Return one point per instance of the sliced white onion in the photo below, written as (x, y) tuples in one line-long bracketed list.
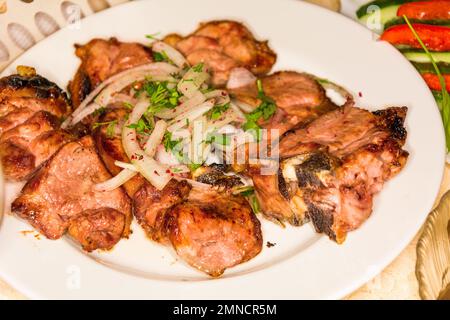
[(192, 81), (155, 138), (220, 96), (240, 77), (190, 115), (166, 157), (116, 181), (244, 106), (174, 55), (147, 166), (238, 112), (197, 99), (118, 82), (125, 165)]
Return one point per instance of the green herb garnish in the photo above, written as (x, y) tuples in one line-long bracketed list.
[(198, 67), (194, 166), (110, 129), (265, 110), (445, 102), (98, 112), (141, 127), (221, 139), (217, 111)]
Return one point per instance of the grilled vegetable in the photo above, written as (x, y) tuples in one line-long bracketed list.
[(434, 83)]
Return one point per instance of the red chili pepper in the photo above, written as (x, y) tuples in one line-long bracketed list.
[(435, 38), (433, 82), (426, 10)]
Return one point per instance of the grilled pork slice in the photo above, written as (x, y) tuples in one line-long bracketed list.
[(331, 179), (61, 196), (22, 96), (211, 230), (347, 129), (224, 45), (30, 111), (299, 99), (100, 59), (26, 146)]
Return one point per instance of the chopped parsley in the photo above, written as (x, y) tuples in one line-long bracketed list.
[(198, 67), (194, 166), (221, 139), (173, 146), (128, 105), (160, 95), (161, 56), (265, 110), (152, 36), (110, 129), (142, 127), (217, 111), (98, 112)]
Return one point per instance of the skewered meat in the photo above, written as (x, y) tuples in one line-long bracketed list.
[(101, 59), (210, 229), (30, 111), (61, 196), (299, 99), (224, 45), (331, 169)]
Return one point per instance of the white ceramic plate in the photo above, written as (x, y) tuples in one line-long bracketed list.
[(303, 264)]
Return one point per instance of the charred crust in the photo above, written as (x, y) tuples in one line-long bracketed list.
[(44, 89), (393, 119), (282, 186), (322, 220)]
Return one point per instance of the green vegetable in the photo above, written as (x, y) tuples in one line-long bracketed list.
[(169, 144), (142, 127), (217, 111), (198, 67), (194, 166), (399, 20), (445, 104), (221, 139), (98, 112), (417, 55), (110, 129), (160, 96), (265, 110), (429, 68), (388, 10)]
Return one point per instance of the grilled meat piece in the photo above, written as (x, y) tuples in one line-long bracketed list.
[(22, 96), (213, 231), (151, 206), (110, 149), (331, 169), (61, 195), (30, 111), (215, 175), (101, 59), (26, 146), (210, 229), (299, 99), (98, 228), (347, 129), (224, 45)]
